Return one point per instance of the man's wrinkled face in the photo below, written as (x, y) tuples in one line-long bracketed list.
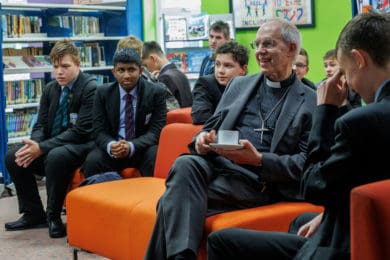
[(273, 54)]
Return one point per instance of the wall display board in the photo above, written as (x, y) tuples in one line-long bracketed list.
[(250, 14)]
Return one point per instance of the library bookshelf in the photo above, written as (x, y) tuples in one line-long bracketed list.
[(29, 29)]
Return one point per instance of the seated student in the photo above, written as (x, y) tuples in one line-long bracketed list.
[(219, 33), (231, 59), (136, 44), (154, 59), (331, 66), (128, 117), (272, 112), (60, 141), (301, 67), (343, 152)]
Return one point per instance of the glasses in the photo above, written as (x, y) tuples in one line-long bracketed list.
[(267, 44), (300, 65)]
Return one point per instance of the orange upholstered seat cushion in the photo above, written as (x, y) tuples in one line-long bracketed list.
[(114, 219), (181, 115), (174, 140), (370, 221)]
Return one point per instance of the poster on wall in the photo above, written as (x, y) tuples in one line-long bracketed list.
[(250, 14)]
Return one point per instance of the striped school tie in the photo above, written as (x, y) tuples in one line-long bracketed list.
[(129, 118), (61, 119)]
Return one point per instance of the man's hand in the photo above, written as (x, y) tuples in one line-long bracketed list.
[(27, 153), (247, 155), (203, 140), (333, 91), (120, 149), (308, 229)]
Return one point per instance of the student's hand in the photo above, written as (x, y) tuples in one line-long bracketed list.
[(308, 229), (27, 153), (247, 155), (332, 91), (203, 140), (120, 149)]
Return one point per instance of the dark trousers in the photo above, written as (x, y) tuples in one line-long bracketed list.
[(58, 167), (245, 244), (196, 188), (98, 161)]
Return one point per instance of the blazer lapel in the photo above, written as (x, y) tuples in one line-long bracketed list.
[(294, 99), (114, 107)]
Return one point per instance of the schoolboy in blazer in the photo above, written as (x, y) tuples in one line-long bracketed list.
[(59, 142), (113, 152)]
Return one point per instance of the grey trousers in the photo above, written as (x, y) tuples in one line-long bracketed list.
[(196, 188)]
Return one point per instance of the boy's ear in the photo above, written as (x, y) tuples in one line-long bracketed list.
[(360, 57)]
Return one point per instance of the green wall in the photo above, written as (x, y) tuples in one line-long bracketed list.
[(330, 16)]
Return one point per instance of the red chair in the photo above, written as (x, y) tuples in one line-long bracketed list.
[(370, 221), (181, 115)]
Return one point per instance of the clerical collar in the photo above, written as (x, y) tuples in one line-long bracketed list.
[(281, 84)]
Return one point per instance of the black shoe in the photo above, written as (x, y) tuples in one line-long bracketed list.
[(56, 228), (26, 221)]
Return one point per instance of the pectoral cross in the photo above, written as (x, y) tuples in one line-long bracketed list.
[(262, 130)]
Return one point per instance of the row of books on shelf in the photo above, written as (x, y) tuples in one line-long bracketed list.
[(91, 55), (74, 25), (22, 51), (20, 123), (30, 91), (188, 61), (16, 25), (101, 79), (24, 91)]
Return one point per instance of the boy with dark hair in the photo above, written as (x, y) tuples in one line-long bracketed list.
[(154, 59), (128, 117), (136, 44), (231, 60)]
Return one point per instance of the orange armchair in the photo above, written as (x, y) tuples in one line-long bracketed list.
[(370, 221), (181, 115), (115, 219)]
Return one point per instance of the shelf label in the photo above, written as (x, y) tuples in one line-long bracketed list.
[(16, 77)]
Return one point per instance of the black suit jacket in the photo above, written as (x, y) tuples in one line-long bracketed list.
[(81, 103), (203, 66), (150, 114), (205, 97), (342, 154), (178, 84)]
